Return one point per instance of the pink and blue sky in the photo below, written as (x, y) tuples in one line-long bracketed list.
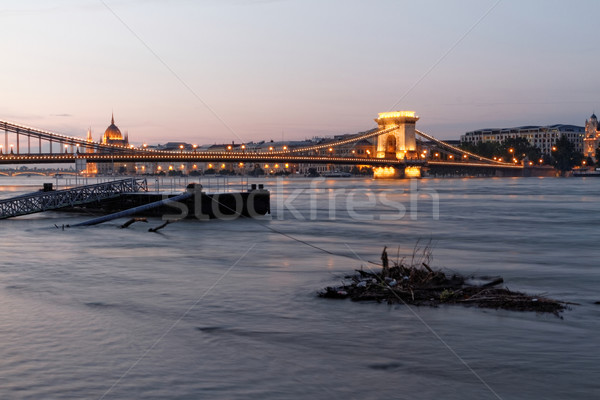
[(211, 71)]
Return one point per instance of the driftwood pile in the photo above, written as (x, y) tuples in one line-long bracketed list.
[(421, 285)]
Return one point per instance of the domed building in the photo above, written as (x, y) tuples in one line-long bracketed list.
[(112, 135)]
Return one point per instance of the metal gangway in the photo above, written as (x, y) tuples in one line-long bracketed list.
[(57, 199)]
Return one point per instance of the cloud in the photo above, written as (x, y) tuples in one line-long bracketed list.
[(61, 115), (21, 116)]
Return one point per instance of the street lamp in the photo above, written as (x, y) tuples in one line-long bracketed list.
[(0, 149), (194, 146), (181, 148)]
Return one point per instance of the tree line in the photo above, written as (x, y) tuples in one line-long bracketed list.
[(564, 155)]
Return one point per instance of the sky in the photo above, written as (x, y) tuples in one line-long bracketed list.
[(216, 71)]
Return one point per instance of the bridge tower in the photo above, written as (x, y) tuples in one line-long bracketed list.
[(397, 143)]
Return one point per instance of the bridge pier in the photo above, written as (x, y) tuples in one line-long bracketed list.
[(397, 172), (387, 173)]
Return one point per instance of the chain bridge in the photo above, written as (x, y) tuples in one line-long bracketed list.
[(400, 150)]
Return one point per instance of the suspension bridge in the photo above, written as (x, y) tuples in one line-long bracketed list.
[(399, 147)]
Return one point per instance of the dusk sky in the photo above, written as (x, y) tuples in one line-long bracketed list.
[(214, 71)]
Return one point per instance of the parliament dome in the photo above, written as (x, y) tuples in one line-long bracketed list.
[(112, 132)]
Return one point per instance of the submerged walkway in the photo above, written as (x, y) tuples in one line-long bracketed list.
[(57, 199)]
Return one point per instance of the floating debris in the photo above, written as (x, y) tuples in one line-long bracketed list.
[(132, 220), (421, 285), (167, 222)]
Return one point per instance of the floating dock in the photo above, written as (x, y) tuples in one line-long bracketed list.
[(194, 203)]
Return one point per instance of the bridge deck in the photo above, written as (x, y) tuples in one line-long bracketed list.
[(54, 200)]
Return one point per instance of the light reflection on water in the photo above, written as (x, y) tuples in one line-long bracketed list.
[(79, 307)]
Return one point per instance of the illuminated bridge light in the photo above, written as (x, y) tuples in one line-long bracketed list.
[(398, 114)]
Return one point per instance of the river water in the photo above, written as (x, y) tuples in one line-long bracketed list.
[(228, 309)]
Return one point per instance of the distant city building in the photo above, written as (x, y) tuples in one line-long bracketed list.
[(175, 146), (364, 148), (592, 137), (542, 137), (112, 136)]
